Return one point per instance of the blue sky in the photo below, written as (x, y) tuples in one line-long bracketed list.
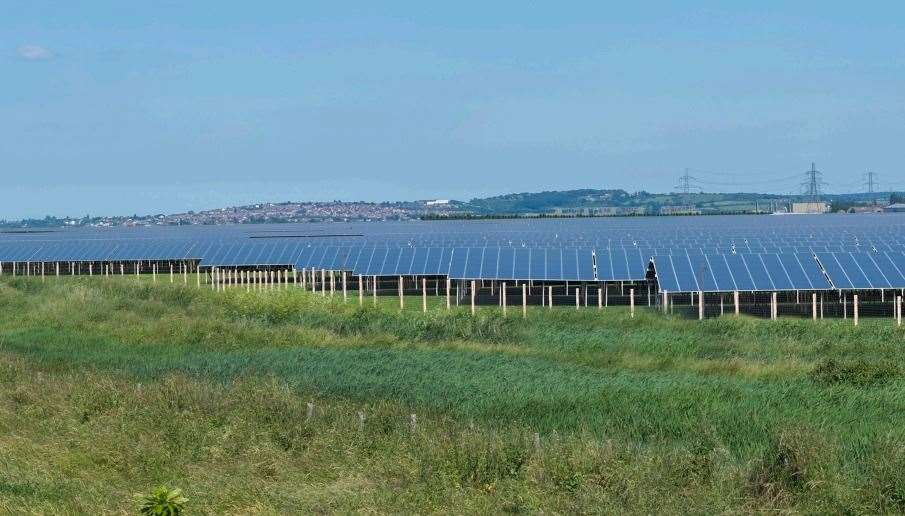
[(111, 107)]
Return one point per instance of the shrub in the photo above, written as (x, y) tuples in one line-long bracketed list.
[(162, 501)]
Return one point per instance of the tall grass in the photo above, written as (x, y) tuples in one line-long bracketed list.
[(633, 413)]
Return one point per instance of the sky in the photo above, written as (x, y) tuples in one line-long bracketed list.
[(112, 107)]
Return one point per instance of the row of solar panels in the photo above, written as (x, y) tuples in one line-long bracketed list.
[(676, 270), (288, 251), (779, 271)]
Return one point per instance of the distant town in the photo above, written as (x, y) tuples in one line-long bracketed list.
[(570, 203)]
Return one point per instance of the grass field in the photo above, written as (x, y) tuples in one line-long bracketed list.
[(111, 387)]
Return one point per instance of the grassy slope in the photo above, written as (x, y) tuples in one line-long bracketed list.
[(107, 388)]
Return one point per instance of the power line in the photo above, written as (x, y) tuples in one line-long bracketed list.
[(685, 181), (870, 181), (813, 183)]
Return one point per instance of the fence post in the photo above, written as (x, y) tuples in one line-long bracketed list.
[(524, 301), (549, 297), (472, 296), (735, 300), (344, 287), (577, 299), (448, 288), (898, 310), (700, 305), (401, 297), (774, 314), (599, 298), (424, 294), (503, 296), (855, 309), (375, 290), (631, 303), (814, 306)]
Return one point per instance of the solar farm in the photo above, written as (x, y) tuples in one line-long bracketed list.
[(812, 266)]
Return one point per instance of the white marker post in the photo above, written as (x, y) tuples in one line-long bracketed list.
[(524, 301), (855, 309)]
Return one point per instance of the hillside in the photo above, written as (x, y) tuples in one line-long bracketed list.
[(110, 387)]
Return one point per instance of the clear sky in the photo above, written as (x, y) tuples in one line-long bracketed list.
[(117, 107)]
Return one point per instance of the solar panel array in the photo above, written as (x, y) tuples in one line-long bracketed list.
[(686, 253)]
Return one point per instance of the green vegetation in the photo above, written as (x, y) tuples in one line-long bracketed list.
[(110, 387)]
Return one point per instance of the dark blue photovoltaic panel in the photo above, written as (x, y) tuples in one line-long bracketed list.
[(666, 275), (432, 260), (314, 261), (522, 264), (758, 272), (419, 261), (637, 263), (834, 270), (458, 261), (473, 266), (538, 264), (490, 262), (390, 262), (604, 265), (506, 263), (740, 274), (332, 260), (375, 264), (406, 256), (722, 275), (620, 265), (891, 270), (813, 271), (684, 273), (799, 280), (873, 274), (570, 264), (554, 264), (445, 260), (777, 272), (701, 268), (852, 270), (585, 264)]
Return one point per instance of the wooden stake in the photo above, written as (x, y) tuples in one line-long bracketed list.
[(898, 310), (855, 309), (524, 301)]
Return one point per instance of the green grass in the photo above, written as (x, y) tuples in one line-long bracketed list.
[(110, 387)]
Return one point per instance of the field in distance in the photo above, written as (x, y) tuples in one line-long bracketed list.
[(110, 387)]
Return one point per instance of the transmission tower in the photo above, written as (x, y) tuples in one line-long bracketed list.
[(685, 185), (813, 183), (870, 181)]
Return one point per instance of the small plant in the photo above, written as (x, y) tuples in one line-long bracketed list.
[(162, 501)]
